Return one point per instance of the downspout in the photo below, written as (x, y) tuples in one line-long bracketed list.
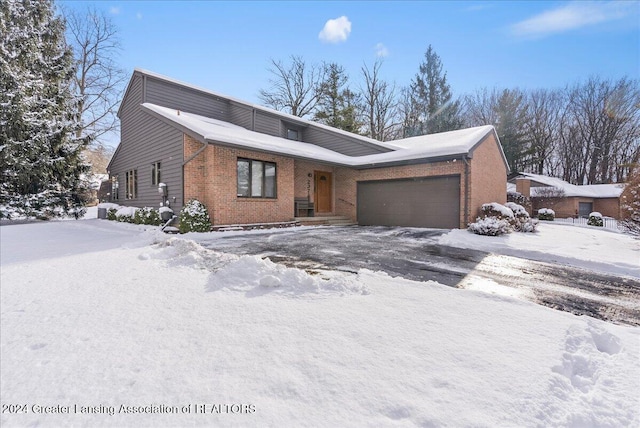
[(466, 190)]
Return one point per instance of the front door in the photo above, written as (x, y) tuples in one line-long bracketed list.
[(323, 187)]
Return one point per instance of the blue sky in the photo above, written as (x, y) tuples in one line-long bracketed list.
[(227, 46)]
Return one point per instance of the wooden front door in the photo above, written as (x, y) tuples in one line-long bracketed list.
[(323, 192)]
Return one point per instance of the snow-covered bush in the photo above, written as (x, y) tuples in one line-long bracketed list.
[(546, 214), (522, 222), (126, 214), (497, 210), (147, 215), (194, 217), (496, 220), (595, 219), (490, 226), (111, 214)]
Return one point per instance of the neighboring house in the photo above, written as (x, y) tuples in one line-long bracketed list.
[(566, 199), (249, 164)]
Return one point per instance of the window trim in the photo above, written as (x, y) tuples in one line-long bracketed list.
[(264, 179), (156, 173), (131, 184), (115, 187)]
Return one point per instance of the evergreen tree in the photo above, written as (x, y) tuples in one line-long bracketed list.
[(337, 104), (40, 154), (431, 107)]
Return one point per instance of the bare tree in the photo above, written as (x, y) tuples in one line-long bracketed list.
[(99, 81), (294, 87), (544, 111), (506, 110), (601, 130), (378, 103)]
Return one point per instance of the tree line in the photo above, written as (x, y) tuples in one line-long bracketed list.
[(585, 133), (59, 89)]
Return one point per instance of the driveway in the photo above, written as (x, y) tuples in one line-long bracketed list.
[(415, 254)]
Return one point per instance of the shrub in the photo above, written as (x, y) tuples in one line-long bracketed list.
[(546, 214), (522, 222), (111, 214), (126, 214), (194, 217), (490, 226), (497, 210), (147, 215), (595, 219)]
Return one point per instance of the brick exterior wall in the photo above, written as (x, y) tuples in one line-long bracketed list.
[(211, 177), (346, 179), (488, 176), (569, 206)]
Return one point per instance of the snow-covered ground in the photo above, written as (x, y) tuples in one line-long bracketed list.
[(110, 324), (588, 247)]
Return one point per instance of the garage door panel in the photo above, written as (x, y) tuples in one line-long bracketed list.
[(418, 202)]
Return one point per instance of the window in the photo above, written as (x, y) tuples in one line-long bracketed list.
[(256, 179), (131, 183), (114, 188), (292, 134), (155, 173)]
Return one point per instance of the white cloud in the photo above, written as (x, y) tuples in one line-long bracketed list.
[(336, 30), (381, 50), (572, 16), (114, 10)]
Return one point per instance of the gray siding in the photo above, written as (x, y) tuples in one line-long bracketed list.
[(241, 115), (340, 143), (145, 140), (267, 124), (171, 95)]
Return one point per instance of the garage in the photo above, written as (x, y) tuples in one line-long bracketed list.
[(413, 202)]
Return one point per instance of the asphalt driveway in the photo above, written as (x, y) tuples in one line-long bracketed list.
[(415, 254)]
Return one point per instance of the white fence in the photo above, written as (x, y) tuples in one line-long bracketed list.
[(609, 223)]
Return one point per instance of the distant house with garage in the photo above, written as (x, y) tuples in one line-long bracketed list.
[(566, 199), (250, 164)]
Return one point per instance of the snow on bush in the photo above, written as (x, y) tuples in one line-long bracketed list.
[(109, 205), (490, 226), (522, 222), (125, 214), (496, 220), (194, 217), (495, 209), (147, 215), (595, 219), (546, 214)]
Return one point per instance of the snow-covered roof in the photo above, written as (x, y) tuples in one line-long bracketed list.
[(586, 191), (445, 144)]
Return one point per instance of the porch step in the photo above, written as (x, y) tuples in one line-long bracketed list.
[(325, 221)]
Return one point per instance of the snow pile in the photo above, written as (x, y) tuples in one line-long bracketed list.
[(253, 274), (94, 315)]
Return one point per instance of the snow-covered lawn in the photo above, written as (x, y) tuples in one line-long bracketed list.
[(100, 317)]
